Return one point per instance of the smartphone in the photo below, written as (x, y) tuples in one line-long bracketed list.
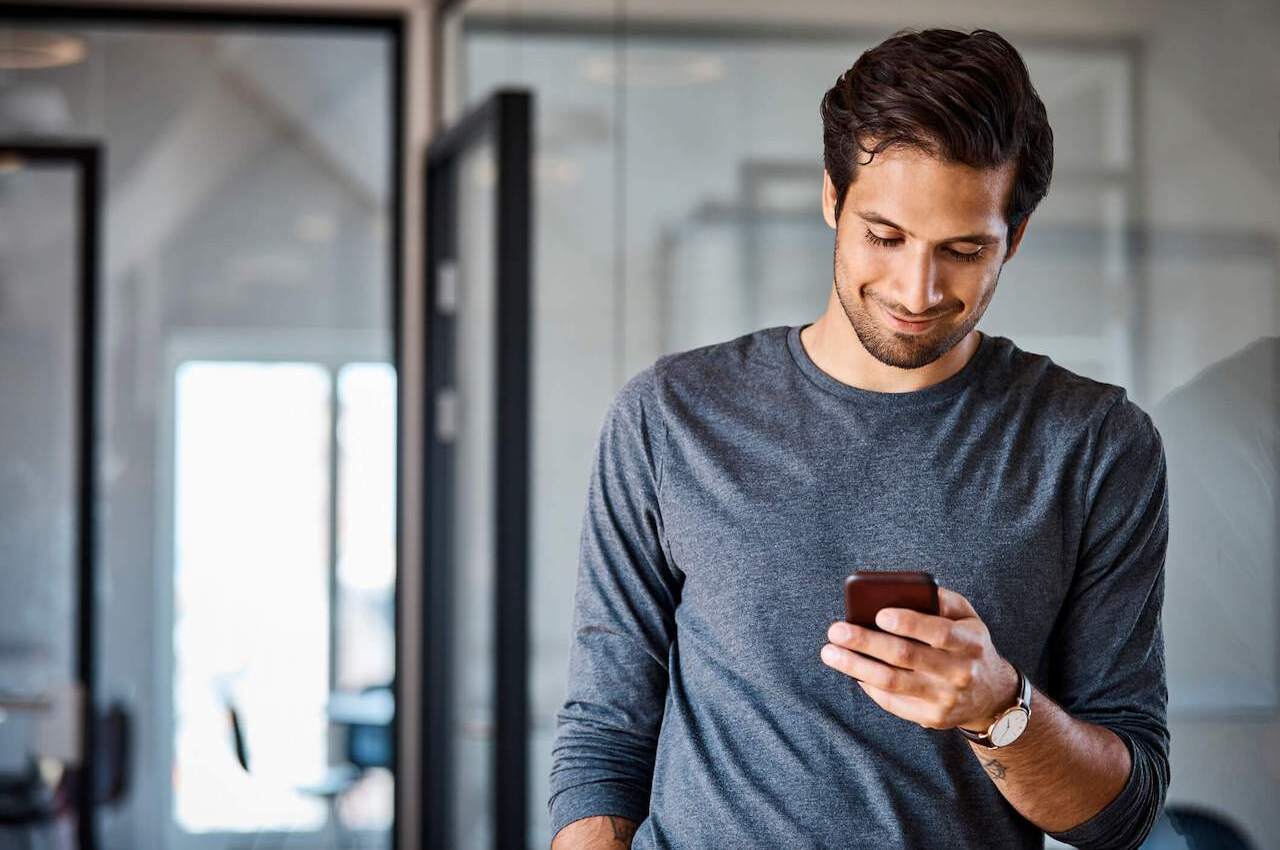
[(867, 592)]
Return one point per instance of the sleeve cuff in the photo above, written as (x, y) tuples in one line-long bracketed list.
[(1109, 827), (597, 798)]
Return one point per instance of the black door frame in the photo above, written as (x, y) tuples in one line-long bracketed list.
[(85, 158), (505, 120)]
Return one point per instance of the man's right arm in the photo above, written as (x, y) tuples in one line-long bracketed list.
[(623, 626)]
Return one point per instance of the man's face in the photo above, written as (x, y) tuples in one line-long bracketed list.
[(918, 251)]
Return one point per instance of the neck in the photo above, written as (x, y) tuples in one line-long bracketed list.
[(834, 347)]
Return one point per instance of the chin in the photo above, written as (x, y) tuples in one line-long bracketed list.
[(903, 350)]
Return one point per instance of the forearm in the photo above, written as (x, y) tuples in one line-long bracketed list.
[(604, 832), (1061, 771)]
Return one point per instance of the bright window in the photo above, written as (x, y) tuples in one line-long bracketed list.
[(251, 606)]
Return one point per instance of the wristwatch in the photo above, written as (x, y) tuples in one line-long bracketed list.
[(1009, 724)]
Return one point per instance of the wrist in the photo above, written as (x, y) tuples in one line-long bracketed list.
[(1007, 697)]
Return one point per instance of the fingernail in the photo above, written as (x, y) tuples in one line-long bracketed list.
[(841, 632), (886, 620)]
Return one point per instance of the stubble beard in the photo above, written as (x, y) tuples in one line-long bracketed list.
[(893, 348)]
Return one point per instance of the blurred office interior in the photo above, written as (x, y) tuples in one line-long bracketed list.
[(310, 313)]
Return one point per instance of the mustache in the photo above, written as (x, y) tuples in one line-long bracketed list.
[(898, 310)]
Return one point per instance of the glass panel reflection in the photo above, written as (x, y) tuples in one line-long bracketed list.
[(472, 562), (678, 177), (247, 195), (39, 309)]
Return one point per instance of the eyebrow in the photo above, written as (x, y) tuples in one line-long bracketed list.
[(975, 238)]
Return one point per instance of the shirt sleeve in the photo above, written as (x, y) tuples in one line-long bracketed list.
[(1108, 665), (623, 623)]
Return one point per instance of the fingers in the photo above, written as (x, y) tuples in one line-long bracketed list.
[(870, 671), (939, 632), (889, 648), (918, 711), (953, 606)]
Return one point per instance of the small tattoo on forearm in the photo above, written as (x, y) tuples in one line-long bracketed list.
[(994, 768), (623, 829)]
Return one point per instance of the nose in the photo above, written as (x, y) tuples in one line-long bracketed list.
[(918, 289)]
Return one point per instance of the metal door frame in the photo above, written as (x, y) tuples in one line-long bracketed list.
[(85, 158), (505, 120)]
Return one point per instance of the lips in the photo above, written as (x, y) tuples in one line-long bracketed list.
[(906, 325)]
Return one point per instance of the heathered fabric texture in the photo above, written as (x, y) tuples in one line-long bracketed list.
[(735, 486)]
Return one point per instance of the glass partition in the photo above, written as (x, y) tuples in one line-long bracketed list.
[(247, 397), (678, 174), (45, 296)]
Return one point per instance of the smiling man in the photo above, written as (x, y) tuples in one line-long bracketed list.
[(716, 698)]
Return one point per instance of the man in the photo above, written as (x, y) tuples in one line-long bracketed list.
[(716, 697)]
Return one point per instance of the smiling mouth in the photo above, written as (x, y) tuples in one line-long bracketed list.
[(907, 325)]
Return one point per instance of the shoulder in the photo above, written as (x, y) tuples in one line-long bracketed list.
[(1071, 402), (686, 385), (729, 358), (635, 428), (722, 372)]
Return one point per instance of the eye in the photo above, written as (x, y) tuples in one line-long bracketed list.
[(883, 243), (966, 256)]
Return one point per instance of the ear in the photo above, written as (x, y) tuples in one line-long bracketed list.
[(828, 200), (1016, 240)]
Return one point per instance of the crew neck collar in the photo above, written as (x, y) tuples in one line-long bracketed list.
[(934, 392)]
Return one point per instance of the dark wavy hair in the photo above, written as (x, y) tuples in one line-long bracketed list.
[(962, 97)]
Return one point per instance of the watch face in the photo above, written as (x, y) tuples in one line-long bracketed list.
[(1008, 728)]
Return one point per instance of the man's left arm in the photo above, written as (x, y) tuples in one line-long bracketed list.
[(1091, 769), (1062, 774)]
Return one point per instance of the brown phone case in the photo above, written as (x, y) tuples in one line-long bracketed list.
[(867, 592)]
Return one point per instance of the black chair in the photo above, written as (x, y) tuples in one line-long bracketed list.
[(29, 803), (368, 738)]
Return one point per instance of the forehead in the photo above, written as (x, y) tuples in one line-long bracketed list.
[(931, 197)]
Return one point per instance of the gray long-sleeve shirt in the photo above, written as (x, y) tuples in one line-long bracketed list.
[(735, 486)]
